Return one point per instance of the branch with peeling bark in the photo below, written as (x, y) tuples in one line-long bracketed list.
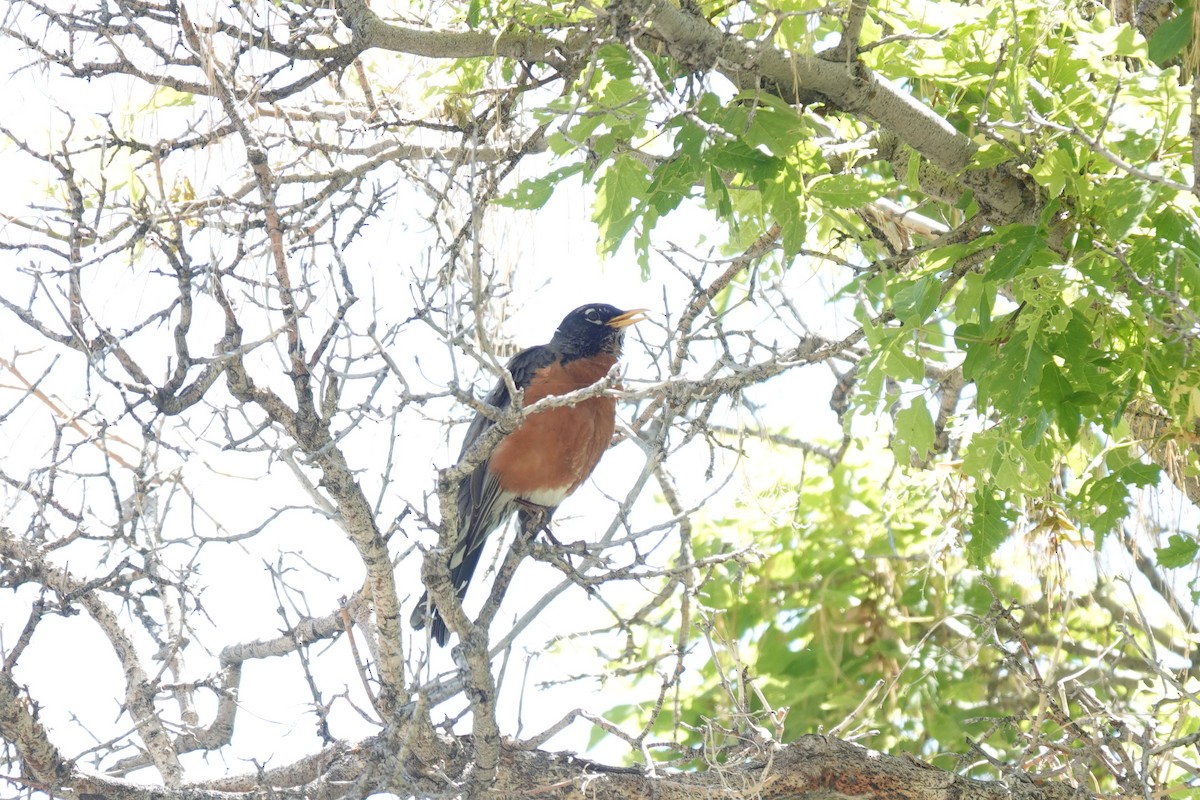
[(812, 766)]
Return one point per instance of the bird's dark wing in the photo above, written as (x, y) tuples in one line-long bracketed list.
[(482, 504), (522, 367)]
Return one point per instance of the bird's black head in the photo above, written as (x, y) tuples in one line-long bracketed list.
[(594, 329)]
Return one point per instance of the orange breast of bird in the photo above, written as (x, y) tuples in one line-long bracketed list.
[(554, 451)]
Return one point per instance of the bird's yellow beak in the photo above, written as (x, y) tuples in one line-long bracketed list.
[(628, 318)]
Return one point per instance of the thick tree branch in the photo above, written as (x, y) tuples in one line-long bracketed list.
[(812, 767), (373, 32), (139, 691), (795, 77), (855, 89), (20, 727)]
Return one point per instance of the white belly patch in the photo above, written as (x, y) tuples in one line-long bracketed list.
[(547, 497)]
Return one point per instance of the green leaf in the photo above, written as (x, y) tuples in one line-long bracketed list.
[(1140, 474), (914, 428), (1017, 245), (1054, 170), (1103, 502), (774, 125), (896, 361), (1179, 552), (849, 190), (1118, 40), (1031, 433), (783, 196), (990, 154), (969, 337), (1054, 392), (1054, 386), (166, 97), (990, 526), (738, 156), (641, 242), (616, 60), (534, 192), (689, 140), (716, 193), (1123, 204), (917, 300), (620, 193), (1173, 226), (1171, 37), (674, 180)]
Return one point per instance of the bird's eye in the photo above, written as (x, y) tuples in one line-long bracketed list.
[(591, 315)]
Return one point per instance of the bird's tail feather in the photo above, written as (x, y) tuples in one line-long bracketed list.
[(427, 612), (465, 558)]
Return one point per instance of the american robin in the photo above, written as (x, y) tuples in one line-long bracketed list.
[(551, 453)]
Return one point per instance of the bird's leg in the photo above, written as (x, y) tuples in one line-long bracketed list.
[(536, 519)]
